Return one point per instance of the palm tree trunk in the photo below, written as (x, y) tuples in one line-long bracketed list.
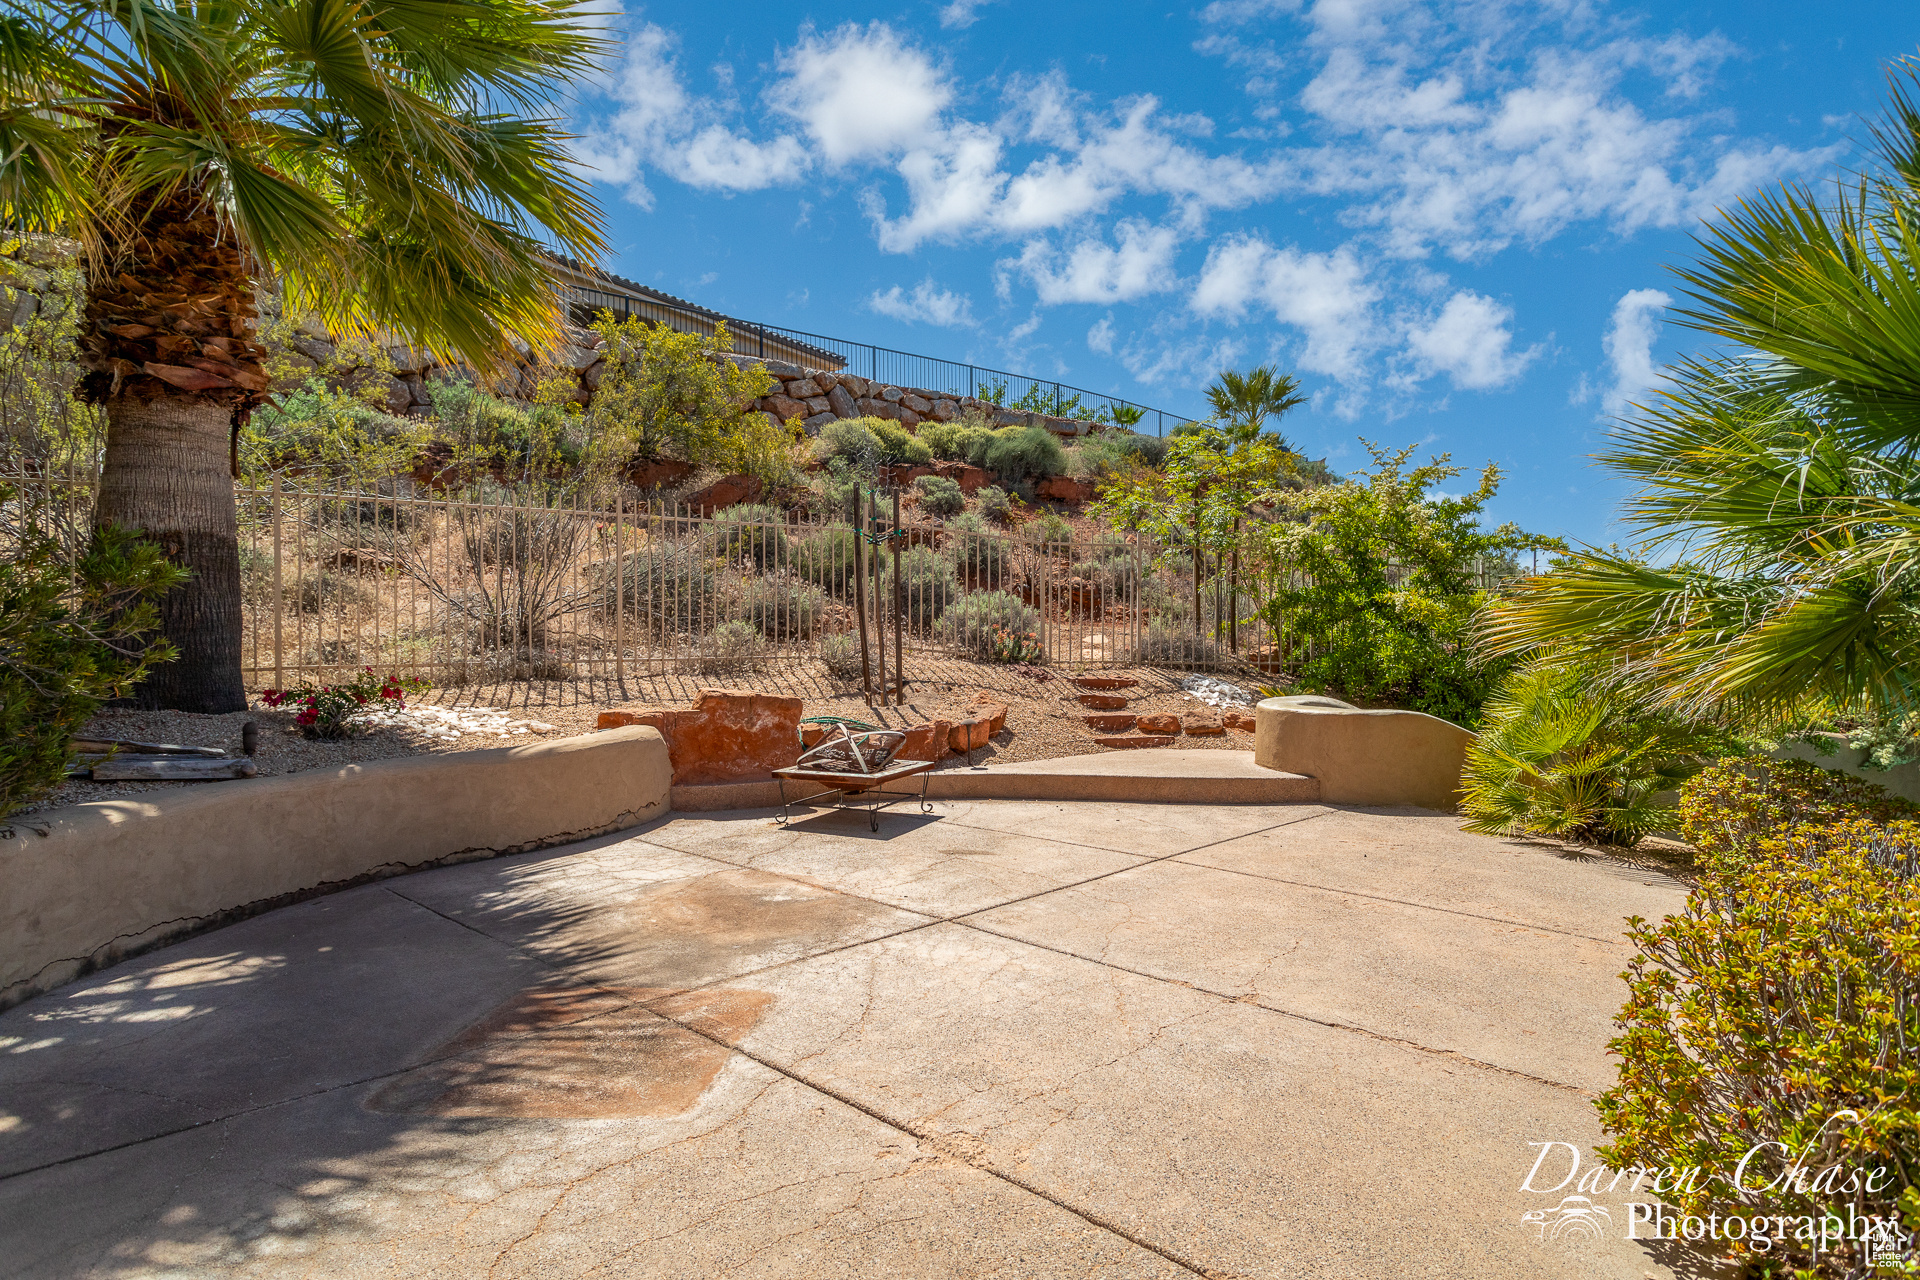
[(166, 475), (170, 348)]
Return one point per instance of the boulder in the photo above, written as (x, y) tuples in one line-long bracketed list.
[(908, 418), (881, 409), (817, 421), (1241, 720), (818, 405), (785, 407), (591, 375), (1202, 724), (1065, 489), (827, 381), (727, 491), (856, 386), (970, 735), (985, 704), (1103, 701), (890, 394), (1160, 722), (929, 741), (917, 404), (971, 479), (944, 411), (841, 402), (1112, 722), (905, 473), (804, 388), (728, 735), (1135, 740)]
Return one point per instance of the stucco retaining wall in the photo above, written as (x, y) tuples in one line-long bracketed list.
[(84, 886), (1363, 757)]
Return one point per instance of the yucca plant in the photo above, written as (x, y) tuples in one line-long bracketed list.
[(1561, 754), (1779, 500), (388, 164)]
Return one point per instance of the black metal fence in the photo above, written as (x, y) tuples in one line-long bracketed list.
[(884, 364)]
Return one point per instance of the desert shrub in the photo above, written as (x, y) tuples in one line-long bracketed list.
[(1020, 453), (929, 583), (1728, 808), (322, 590), (841, 654), (1776, 1014), (730, 647), (1048, 530), (940, 496), (974, 442), (1560, 754), (1114, 452), (782, 608), (983, 622), (1114, 576), (749, 534), (826, 559), (943, 438), (669, 587), (865, 443), (976, 552), (73, 633), (664, 393), (993, 503), (1165, 644)]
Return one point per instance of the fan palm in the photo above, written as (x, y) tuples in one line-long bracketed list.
[(1244, 401), (1779, 490), (387, 163)]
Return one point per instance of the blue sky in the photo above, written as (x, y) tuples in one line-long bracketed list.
[(1452, 221)]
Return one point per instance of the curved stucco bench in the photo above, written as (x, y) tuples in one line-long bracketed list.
[(1363, 757), (90, 884)]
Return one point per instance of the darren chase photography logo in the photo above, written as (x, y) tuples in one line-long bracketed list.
[(1574, 1189)]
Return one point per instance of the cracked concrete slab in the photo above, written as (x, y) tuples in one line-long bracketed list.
[(721, 1047), (1150, 830), (1239, 1141), (915, 862), (1520, 998), (1415, 856)]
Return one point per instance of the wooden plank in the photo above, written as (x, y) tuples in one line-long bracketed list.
[(171, 769), (103, 745)]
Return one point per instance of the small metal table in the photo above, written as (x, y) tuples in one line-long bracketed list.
[(852, 790)]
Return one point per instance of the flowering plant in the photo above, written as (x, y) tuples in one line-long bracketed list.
[(327, 711), (1005, 645)]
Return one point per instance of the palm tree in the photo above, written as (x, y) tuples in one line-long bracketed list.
[(383, 161), (1780, 488), (1244, 402)]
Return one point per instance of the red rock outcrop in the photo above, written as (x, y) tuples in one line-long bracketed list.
[(728, 735)]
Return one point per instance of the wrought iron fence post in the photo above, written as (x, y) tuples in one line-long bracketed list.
[(279, 611)]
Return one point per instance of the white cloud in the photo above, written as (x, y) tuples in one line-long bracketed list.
[(959, 14), (1100, 337), (861, 93), (1324, 295), (1092, 271), (1629, 347), (928, 302), (657, 123), (1471, 343)]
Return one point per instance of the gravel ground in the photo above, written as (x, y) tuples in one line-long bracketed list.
[(1043, 718)]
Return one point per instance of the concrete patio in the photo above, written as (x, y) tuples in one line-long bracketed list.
[(1012, 1038)]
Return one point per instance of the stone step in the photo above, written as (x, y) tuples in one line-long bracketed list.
[(1105, 682), (1128, 740), (1103, 701)]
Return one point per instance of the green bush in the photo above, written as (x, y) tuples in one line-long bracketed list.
[(841, 654), (72, 635), (944, 439), (993, 503), (1112, 453), (730, 647), (1728, 809), (826, 559), (865, 443), (750, 534), (1048, 531), (983, 622), (1559, 754), (976, 552), (940, 496), (668, 587), (782, 609), (929, 584), (1021, 453), (1777, 1014)]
